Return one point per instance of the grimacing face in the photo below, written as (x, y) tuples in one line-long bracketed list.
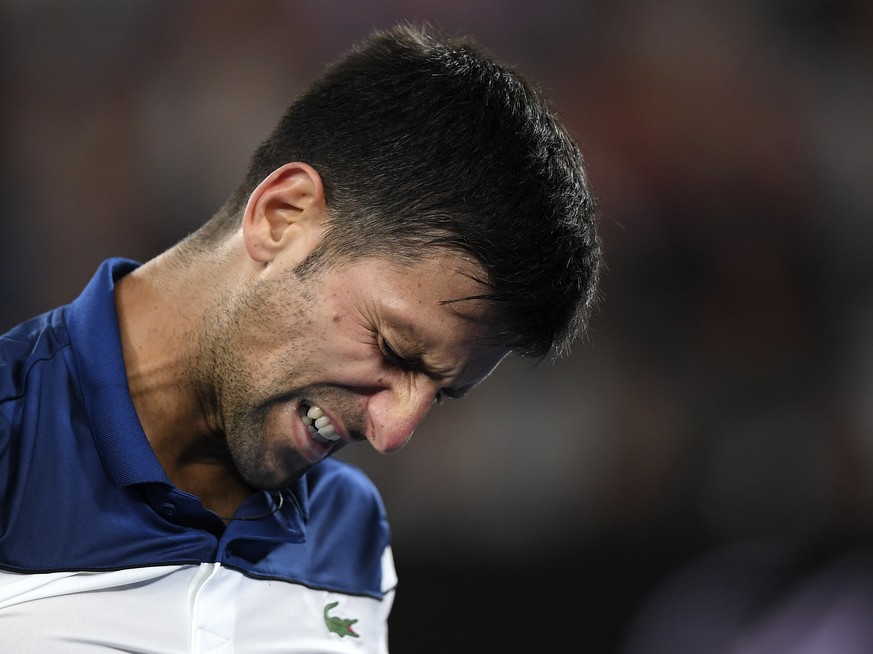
[(358, 352)]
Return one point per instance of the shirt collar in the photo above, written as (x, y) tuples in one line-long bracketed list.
[(93, 324), (121, 442)]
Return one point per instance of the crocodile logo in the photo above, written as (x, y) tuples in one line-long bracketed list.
[(340, 626)]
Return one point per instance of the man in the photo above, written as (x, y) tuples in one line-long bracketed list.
[(165, 483)]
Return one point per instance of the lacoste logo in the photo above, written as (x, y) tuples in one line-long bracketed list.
[(340, 626)]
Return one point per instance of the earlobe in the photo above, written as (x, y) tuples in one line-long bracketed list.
[(285, 213)]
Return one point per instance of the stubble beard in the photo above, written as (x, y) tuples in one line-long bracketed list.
[(244, 393)]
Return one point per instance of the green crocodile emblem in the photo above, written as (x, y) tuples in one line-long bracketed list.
[(340, 626)]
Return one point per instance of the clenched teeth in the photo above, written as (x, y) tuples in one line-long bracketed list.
[(318, 424)]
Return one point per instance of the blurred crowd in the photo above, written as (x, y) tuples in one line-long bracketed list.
[(723, 397)]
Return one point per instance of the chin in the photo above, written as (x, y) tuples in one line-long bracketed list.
[(263, 477)]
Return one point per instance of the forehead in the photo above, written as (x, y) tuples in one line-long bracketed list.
[(450, 279), (441, 286)]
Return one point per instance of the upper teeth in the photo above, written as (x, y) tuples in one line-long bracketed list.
[(319, 424)]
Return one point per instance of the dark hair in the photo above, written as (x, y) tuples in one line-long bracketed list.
[(422, 141)]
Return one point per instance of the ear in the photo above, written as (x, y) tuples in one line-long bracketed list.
[(285, 214)]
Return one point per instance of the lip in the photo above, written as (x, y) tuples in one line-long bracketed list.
[(303, 442)]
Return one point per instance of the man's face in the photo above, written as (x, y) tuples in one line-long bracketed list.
[(364, 350)]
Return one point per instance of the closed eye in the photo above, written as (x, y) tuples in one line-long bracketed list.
[(392, 358)]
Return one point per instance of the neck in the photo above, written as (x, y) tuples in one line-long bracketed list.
[(161, 309)]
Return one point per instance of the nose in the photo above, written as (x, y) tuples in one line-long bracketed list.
[(396, 411)]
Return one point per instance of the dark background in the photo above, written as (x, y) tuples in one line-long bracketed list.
[(723, 397)]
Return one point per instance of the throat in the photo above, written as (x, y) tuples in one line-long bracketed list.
[(211, 476), (224, 505)]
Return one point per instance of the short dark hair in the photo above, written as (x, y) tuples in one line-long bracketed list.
[(423, 140)]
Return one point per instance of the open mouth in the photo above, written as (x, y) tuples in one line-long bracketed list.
[(318, 424)]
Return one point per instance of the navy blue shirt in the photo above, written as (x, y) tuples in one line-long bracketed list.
[(81, 488)]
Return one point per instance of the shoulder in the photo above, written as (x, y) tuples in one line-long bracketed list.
[(347, 544), (339, 488), (28, 345)]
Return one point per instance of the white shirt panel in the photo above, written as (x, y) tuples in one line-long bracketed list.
[(198, 609)]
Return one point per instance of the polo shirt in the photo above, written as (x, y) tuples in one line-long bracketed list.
[(100, 552)]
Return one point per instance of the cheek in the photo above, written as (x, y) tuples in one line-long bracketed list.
[(346, 340)]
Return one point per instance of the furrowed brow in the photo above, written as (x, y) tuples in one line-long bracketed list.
[(417, 363)]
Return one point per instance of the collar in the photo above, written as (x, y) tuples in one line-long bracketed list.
[(121, 442)]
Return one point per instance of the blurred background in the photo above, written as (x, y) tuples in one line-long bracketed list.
[(700, 466)]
